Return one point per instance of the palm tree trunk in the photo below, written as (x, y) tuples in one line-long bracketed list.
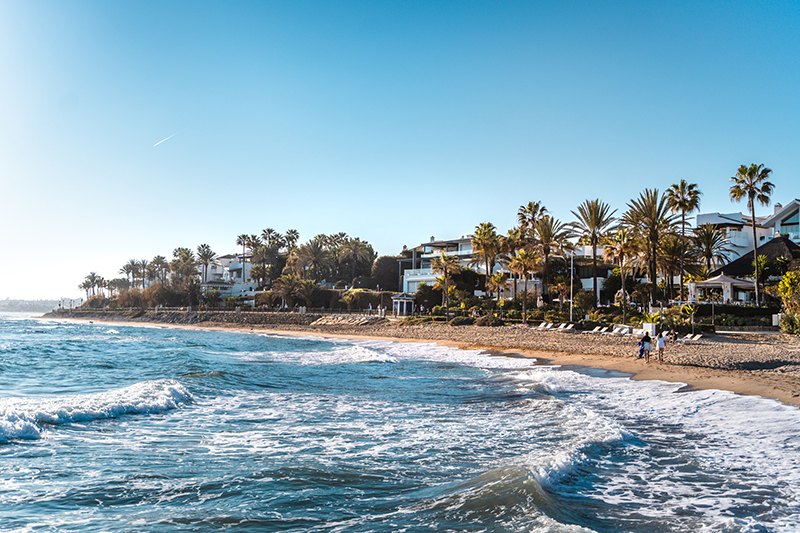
[(622, 275), (683, 252), (755, 244), (594, 274), (525, 300), (544, 277)]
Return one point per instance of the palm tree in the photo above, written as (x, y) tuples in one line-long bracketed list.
[(671, 258), (649, 218), (161, 266), (486, 245), (711, 243), (290, 239), (287, 287), (205, 255), (446, 266), (550, 241), (143, 271), (495, 284), (312, 257), (509, 243), (528, 215), (243, 240), (683, 197), (594, 219), (131, 268), (355, 251), (523, 263), (622, 248), (752, 183)]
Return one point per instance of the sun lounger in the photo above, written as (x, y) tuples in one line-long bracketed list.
[(595, 330), (604, 330), (615, 331), (542, 326), (561, 327), (549, 326), (688, 337), (694, 338), (568, 328)]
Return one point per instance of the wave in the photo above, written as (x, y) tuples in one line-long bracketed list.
[(26, 419)]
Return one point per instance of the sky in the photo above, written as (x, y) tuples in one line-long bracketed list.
[(390, 121)]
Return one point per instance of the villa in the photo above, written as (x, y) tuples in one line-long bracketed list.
[(229, 275)]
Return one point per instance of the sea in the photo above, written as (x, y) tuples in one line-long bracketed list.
[(131, 428)]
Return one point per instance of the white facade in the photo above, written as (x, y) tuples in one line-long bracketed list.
[(783, 221), (424, 254), (225, 275)]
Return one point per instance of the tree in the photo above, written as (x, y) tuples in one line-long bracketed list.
[(386, 272), (312, 257), (622, 248), (243, 240), (711, 243), (161, 266), (446, 266), (355, 251), (648, 218), (550, 241), (205, 255), (594, 219), (683, 197), (290, 239), (143, 271), (495, 283), (287, 287), (486, 245), (523, 263), (528, 215), (752, 182)]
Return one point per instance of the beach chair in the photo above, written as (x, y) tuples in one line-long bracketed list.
[(604, 330), (549, 326), (615, 331), (542, 326), (595, 330), (694, 338), (688, 337), (569, 328), (561, 327)]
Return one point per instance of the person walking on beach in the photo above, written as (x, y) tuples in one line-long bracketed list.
[(661, 344), (647, 346)]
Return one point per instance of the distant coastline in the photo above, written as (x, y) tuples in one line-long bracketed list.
[(750, 364), (27, 306)]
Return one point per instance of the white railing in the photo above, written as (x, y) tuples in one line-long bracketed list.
[(418, 272)]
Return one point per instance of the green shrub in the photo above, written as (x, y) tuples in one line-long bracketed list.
[(462, 321), (790, 322), (438, 310), (490, 321)]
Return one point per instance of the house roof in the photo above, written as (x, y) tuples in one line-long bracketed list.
[(785, 210), (779, 246)]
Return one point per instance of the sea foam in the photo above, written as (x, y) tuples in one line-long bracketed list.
[(26, 418)]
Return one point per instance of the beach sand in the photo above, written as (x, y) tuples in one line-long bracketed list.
[(751, 364)]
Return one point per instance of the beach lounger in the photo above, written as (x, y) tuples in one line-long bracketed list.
[(604, 330), (561, 327), (688, 337), (595, 330), (549, 326), (694, 338), (568, 328), (615, 331), (542, 326)]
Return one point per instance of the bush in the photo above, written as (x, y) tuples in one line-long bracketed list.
[(490, 321), (438, 310), (462, 321), (790, 323)]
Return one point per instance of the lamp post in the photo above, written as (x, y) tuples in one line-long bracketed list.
[(571, 272)]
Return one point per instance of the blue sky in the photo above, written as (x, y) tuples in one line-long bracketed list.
[(391, 121)]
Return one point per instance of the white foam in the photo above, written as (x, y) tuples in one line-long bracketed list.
[(25, 418)]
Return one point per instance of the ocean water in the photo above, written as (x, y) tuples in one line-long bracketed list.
[(152, 429)]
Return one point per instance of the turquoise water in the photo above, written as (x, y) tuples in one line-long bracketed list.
[(153, 429)]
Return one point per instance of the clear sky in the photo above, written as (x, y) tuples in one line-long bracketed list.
[(391, 121)]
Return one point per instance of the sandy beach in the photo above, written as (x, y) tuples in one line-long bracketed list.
[(766, 365)]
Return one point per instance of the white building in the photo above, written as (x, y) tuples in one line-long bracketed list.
[(230, 276), (737, 226), (422, 257)]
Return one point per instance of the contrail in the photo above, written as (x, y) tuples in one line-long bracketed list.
[(164, 140)]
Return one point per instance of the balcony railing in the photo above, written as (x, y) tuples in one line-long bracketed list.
[(418, 272)]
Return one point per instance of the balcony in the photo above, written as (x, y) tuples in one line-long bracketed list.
[(418, 272)]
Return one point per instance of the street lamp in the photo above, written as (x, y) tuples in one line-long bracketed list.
[(571, 272)]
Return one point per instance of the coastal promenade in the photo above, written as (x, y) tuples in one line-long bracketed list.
[(748, 363)]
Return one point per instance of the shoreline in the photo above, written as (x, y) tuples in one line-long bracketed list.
[(742, 382)]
